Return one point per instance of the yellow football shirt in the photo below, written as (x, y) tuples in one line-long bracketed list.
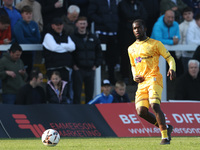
[(144, 59)]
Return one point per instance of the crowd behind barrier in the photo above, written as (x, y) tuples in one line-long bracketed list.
[(162, 64)]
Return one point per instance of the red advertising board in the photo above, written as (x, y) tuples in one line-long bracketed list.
[(123, 119)]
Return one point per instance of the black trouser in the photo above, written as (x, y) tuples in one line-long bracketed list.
[(79, 77)]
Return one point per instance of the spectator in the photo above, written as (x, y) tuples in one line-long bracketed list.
[(37, 11), (197, 54), (188, 19), (128, 10), (57, 90), (119, 93), (69, 19), (27, 32), (5, 30), (166, 30), (52, 9), (82, 4), (32, 92), (188, 85), (105, 96), (193, 34), (194, 4), (87, 57), (57, 52), (12, 12), (176, 5), (105, 17), (12, 73)]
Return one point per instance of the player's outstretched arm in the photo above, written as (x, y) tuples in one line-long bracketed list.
[(171, 74)]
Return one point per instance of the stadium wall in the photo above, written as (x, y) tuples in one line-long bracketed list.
[(101, 120)]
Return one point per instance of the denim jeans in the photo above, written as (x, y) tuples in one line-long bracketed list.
[(8, 98)]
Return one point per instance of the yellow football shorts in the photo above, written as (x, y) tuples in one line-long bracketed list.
[(148, 95)]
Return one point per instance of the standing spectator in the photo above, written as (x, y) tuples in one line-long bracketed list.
[(12, 73), (52, 9), (119, 93), (128, 10), (188, 85), (166, 30), (32, 92), (57, 52), (12, 12), (176, 5), (153, 10), (197, 54), (69, 19), (105, 16), (57, 90), (87, 57), (193, 34), (194, 4), (105, 96), (5, 30), (37, 11), (27, 32), (188, 19)]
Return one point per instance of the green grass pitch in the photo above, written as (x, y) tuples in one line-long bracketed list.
[(150, 143)]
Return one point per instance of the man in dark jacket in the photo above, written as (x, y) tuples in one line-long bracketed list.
[(32, 92), (87, 57), (188, 85), (105, 16)]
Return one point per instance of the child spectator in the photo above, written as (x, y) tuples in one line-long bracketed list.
[(119, 93), (57, 90), (105, 96)]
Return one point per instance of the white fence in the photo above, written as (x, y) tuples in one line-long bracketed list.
[(162, 62)]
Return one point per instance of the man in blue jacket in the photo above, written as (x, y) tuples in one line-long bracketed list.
[(166, 29), (27, 32)]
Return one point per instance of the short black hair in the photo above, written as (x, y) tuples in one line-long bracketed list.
[(34, 73), (26, 8), (187, 9), (15, 47), (142, 22), (4, 19)]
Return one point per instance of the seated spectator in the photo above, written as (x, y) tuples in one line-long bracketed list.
[(188, 19), (12, 73), (70, 18), (32, 92), (5, 30), (37, 11), (105, 96), (27, 32), (57, 90), (58, 48), (87, 57), (194, 4), (14, 15), (188, 85), (119, 93)]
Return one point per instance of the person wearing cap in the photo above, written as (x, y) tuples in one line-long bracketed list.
[(105, 96), (58, 48), (12, 73)]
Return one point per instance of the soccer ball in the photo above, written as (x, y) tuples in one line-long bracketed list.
[(50, 137)]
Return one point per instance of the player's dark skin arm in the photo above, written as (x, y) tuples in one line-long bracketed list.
[(171, 74)]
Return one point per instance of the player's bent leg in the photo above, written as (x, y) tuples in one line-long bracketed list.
[(144, 113)]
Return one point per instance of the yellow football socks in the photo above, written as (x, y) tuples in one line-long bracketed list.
[(164, 134)]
